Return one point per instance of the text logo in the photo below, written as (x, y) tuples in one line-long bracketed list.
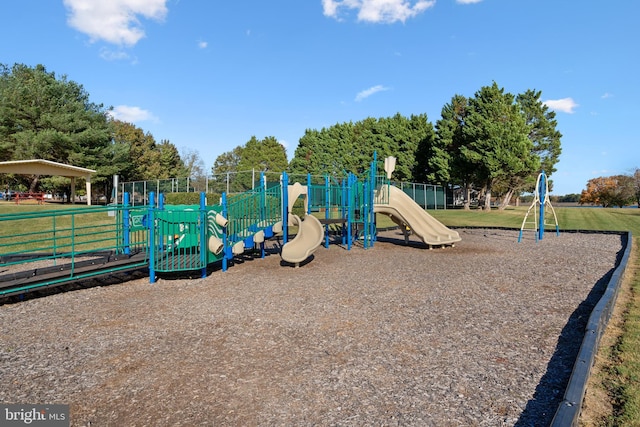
[(34, 415)]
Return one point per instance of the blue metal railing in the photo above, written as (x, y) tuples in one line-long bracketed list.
[(64, 241)]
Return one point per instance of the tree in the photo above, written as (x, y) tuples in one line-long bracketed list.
[(445, 163), (194, 167), (481, 144), (171, 163), (322, 152), (542, 130), (636, 186), (545, 150), (225, 169), (624, 192), (116, 162), (227, 162), (617, 190), (496, 139), (147, 160), (408, 135), (256, 155), (567, 198), (349, 147), (263, 155), (46, 117)]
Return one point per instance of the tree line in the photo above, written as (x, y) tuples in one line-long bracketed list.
[(43, 116), (493, 143), (610, 191)]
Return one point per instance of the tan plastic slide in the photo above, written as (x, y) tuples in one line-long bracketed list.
[(392, 201), (309, 238)]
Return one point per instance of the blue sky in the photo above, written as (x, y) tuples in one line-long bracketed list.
[(208, 75)]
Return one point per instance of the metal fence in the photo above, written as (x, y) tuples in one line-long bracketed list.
[(428, 196), (47, 248)]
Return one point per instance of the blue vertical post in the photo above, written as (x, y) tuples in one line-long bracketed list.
[(126, 224), (263, 209), (285, 207), (263, 199), (327, 212), (161, 239), (203, 234), (225, 238), (369, 195), (366, 209), (309, 201), (344, 205), (351, 208), (542, 194), (365, 212), (152, 238)]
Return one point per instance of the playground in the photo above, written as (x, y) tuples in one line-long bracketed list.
[(286, 305), (396, 334), (166, 239)]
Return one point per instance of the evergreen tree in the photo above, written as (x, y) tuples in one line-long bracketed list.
[(349, 147), (443, 159), (46, 117), (545, 149), (238, 167), (496, 136)]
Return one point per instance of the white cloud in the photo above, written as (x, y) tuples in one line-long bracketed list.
[(386, 11), (368, 92), (330, 8), (468, 1), (565, 105), (114, 21), (202, 44), (113, 55), (607, 95), (130, 114)]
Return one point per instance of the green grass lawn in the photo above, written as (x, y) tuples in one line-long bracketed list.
[(623, 377), (88, 226), (569, 218)]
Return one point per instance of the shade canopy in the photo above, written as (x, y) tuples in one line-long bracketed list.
[(47, 167)]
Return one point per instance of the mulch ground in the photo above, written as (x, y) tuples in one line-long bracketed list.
[(481, 334)]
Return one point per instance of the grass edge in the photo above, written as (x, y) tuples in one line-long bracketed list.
[(613, 390)]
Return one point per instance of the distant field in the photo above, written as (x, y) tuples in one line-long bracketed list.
[(10, 207), (569, 218)]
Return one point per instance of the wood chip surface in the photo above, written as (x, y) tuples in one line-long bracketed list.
[(481, 334)]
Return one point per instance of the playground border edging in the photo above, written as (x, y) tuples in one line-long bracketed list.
[(568, 412)]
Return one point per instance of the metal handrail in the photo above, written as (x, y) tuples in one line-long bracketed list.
[(62, 238)]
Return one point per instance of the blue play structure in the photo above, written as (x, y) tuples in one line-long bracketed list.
[(178, 238), (196, 238), (191, 238), (542, 208)]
